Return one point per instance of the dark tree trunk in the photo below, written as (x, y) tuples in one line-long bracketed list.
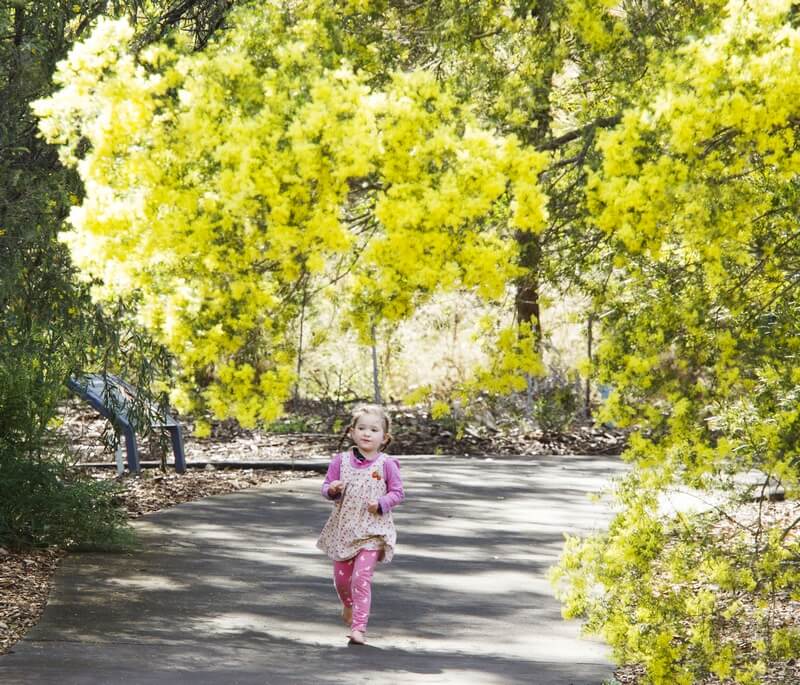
[(528, 286), (527, 300)]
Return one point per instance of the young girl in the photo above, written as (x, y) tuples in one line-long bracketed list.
[(365, 485)]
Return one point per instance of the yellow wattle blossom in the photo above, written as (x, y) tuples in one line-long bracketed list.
[(220, 184)]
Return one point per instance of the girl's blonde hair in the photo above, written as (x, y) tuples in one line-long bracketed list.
[(376, 410)]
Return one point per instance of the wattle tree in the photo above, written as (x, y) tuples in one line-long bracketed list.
[(220, 183)]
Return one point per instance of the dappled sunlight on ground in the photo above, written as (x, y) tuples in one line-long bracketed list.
[(466, 596)]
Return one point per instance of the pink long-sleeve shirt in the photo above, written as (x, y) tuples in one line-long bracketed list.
[(391, 469)]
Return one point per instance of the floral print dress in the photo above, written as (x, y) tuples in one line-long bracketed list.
[(351, 527)]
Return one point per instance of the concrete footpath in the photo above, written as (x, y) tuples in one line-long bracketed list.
[(231, 589)]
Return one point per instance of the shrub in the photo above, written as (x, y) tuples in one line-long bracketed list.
[(42, 503), (556, 401)]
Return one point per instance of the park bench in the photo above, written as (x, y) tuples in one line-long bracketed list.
[(116, 400)]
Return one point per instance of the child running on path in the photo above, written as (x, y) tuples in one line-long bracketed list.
[(365, 485)]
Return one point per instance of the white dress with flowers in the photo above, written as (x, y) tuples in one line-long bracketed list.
[(351, 527)]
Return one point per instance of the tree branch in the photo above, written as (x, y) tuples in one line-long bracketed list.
[(602, 122), (789, 529)]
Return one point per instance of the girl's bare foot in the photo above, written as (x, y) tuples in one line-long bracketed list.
[(357, 637), (347, 615)]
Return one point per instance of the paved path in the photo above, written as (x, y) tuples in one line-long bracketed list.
[(231, 590)]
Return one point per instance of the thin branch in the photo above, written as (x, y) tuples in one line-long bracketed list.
[(726, 134), (345, 270), (760, 264), (603, 122), (569, 161), (719, 510), (486, 34), (777, 293), (789, 529)]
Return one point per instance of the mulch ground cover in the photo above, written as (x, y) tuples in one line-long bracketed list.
[(319, 434)]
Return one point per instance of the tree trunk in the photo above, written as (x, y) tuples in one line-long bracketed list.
[(528, 287), (527, 296), (296, 393), (588, 389), (527, 301), (376, 386)]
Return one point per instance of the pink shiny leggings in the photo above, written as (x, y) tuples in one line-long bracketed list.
[(353, 582)]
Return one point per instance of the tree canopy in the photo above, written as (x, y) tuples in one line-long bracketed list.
[(49, 326), (698, 191), (217, 182)]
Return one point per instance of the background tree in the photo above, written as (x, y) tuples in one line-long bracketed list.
[(217, 182), (508, 68), (49, 326), (552, 74)]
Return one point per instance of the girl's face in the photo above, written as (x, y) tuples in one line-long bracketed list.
[(368, 434)]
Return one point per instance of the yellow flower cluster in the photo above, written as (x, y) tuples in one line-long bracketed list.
[(218, 182), (722, 116), (515, 359), (594, 21)]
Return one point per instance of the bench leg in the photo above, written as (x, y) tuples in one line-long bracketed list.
[(130, 448), (177, 448)]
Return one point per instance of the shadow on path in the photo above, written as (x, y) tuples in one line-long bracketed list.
[(232, 589)]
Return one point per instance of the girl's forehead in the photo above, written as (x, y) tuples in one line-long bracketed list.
[(369, 419)]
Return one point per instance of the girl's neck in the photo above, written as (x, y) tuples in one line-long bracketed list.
[(368, 456)]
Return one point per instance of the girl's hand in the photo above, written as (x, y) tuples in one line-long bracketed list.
[(372, 507), (335, 488)]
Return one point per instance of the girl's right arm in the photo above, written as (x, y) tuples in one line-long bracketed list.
[(334, 474)]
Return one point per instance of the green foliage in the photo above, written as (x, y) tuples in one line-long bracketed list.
[(687, 597), (49, 326), (38, 300), (643, 151), (42, 503), (556, 401), (230, 182), (291, 424)]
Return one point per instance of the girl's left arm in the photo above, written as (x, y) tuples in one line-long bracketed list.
[(394, 486)]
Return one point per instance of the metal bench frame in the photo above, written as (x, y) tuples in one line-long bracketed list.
[(112, 397)]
